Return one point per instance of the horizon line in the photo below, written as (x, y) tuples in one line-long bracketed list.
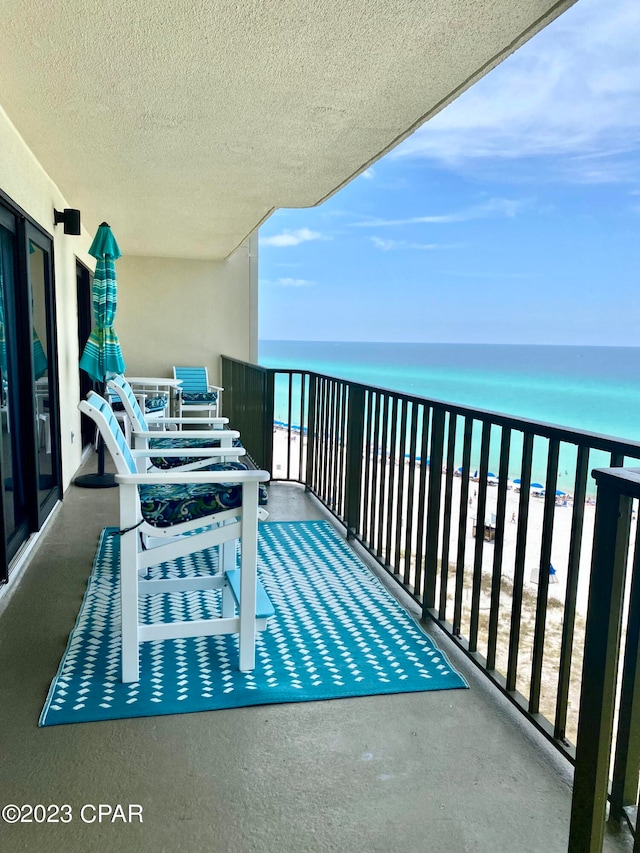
[(442, 343)]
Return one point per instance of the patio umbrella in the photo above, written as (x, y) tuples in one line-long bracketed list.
[(102, 356), (39, 358)]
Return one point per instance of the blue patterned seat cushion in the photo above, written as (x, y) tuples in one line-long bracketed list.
[(199, 397), (176, 443), (167, 505), (155, 404), (151, 404)]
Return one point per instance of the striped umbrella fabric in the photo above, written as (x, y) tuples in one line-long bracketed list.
[(39, 358), (102, 355)]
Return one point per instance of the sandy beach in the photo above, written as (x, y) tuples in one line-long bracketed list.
[(561, 527)]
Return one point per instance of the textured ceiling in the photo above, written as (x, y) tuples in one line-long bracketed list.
[(185, 123)]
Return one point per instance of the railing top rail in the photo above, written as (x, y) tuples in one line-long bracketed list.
[(570, 435), (624, 480), (258, 367)]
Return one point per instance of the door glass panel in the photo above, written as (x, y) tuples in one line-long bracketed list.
[(13, 498), (38, 261)]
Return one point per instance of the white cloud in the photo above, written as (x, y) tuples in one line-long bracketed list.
[(494, 206), (294, 282), (388, 245), (573, 91), (285, 282), (368, 174), (291, 238)]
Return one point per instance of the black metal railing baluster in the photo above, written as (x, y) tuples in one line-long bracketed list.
[(422, 491), (304, 424), (401, 499), (344, 417), (334, 450), (375, 464), (324, 444), (518, 570), (436, 455), (462, 526), (368, 490), (330, 435), (355, 440), (496, 576), (476, 589), (408, 542), (446, 530), (543, 577), (390, 495), (571, 593), (289, 420), (381, 451), (310, 470)]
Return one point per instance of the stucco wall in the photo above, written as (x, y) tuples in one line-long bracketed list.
[(170, 311), (187, 312), (26, 183)]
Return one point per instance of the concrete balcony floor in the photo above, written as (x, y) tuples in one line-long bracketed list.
[(443, 771)]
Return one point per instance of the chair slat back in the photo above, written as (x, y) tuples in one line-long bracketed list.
[(195, 380), (101, 413), (119, 386)]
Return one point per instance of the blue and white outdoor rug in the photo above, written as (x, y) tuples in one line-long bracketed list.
[(336, 632)]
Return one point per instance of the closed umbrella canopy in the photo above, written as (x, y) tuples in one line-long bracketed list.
[(39, 358), (102, 355)]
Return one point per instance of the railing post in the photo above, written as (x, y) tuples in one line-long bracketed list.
[(353, 474), (601, 651), (624, 785), (268, 402), (436, 457), (311, 431)]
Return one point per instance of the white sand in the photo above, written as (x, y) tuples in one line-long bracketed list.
[(561, 527)]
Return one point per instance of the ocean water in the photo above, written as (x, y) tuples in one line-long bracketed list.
[(595, 389)]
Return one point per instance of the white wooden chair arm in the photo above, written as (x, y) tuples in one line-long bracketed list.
[(217, 421), (179, 478), (188, 452), (195, 433)]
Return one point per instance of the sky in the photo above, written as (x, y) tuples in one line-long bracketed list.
[(513, 216)]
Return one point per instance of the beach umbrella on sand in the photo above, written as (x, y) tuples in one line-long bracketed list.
[(536, 486), (102, 356), (560, 493)]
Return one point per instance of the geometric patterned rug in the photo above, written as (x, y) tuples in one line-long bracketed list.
[(336, 632)]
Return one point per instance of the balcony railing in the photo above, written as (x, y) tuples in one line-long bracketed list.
[(490, 523)]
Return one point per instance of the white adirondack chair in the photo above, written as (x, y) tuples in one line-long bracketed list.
[(195, 393), (227, 509), (168, 445)]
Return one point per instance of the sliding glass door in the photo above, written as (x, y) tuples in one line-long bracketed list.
[(13, 476), (29, 422), (43, 374)]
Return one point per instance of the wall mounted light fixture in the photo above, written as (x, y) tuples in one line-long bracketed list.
[(71, 219)]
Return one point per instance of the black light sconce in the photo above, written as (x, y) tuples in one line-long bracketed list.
[(71, 219)]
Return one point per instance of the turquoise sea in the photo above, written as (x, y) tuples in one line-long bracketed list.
[(596, 389)]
